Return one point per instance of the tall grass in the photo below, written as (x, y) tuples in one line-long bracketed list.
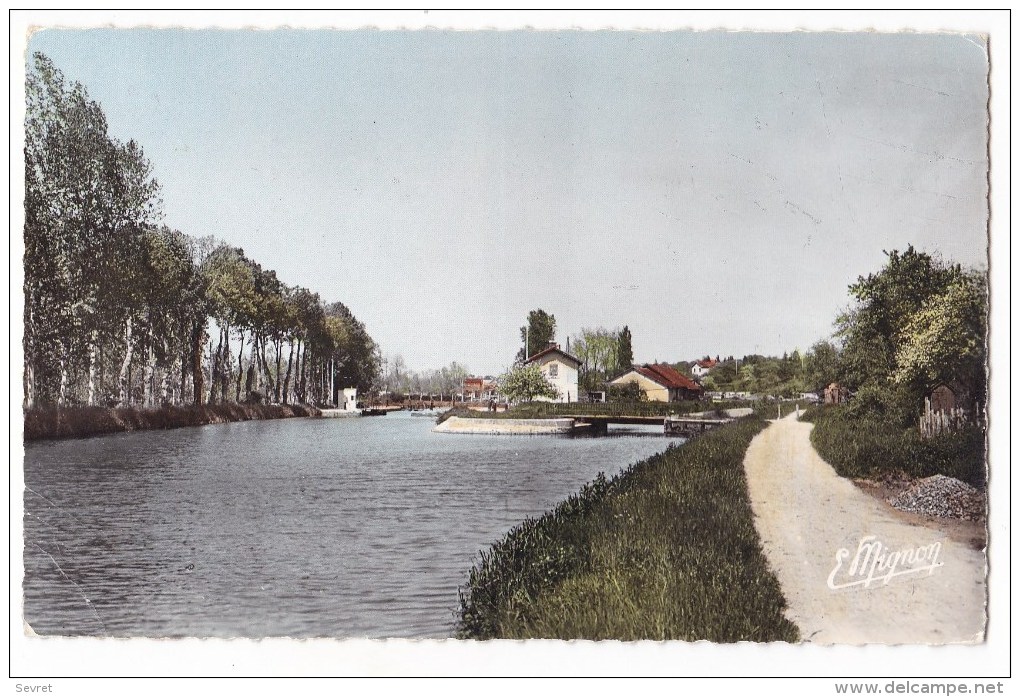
[(78, 422), (860, 447), (666, 549)]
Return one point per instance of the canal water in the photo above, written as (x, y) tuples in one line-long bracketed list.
[(360, 527)]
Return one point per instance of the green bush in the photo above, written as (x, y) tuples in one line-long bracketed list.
[(886, 404), (871, 448), (628, 392)]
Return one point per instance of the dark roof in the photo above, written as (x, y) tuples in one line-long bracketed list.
[(553, 349), (707, 363), (667, 376)]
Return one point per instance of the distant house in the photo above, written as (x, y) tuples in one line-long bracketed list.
[(660, 383), (477, 389), (560, 369), (472, 389), (701, 368)]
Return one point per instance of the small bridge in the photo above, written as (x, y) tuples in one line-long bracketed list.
[(688, 425)]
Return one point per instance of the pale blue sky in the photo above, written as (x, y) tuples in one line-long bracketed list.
[(716, 192)]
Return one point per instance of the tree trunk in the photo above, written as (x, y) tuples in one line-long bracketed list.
[(253, 362), (125, 367), (249, 381), (197, 369), (269, 375), (240, 369), (279, 357), (29, 382), (286, 380), (93, 366), (62, 394), (184, 375), (30, 354), (164, 383), (302, 380), (226, 369), (148, 375), (214, 370)]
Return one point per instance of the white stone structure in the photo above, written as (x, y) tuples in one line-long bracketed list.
[(350, 399)]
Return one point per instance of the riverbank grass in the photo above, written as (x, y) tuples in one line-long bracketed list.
[(666, 549)]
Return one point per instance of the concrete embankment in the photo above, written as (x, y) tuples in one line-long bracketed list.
[(338, 413), (736, 413), (79, 422), (532, 427)]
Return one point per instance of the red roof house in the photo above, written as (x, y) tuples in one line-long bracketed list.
[(661, 382)]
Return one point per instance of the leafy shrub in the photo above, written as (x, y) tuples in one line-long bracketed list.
[(872, 448), (628, 392), (887, 404)]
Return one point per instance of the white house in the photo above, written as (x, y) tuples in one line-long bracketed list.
[(701, 368), (560, 369)]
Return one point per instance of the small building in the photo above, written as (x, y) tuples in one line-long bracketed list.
[(477, 389), (835, 394), (947, 396), (701, 368), (661, 383), (350, 399), (560, 369), (472, 389)]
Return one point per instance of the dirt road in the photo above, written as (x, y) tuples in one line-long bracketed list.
[(894, 583)]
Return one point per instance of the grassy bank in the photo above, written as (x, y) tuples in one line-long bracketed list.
[(54, 422), (549, 410), (546, 410), (872, 448), (666, 549)]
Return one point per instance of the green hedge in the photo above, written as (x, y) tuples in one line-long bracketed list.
[(871, 448)]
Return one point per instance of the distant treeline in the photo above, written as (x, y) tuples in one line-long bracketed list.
[(120, 310)]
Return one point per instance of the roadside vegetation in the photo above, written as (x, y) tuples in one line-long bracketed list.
[(665, 550), (916, 323), (870, 448)]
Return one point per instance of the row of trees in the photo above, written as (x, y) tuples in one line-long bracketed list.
[(916, 322), (787, 375), (122, 310), (398, 379), (604, 355)]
